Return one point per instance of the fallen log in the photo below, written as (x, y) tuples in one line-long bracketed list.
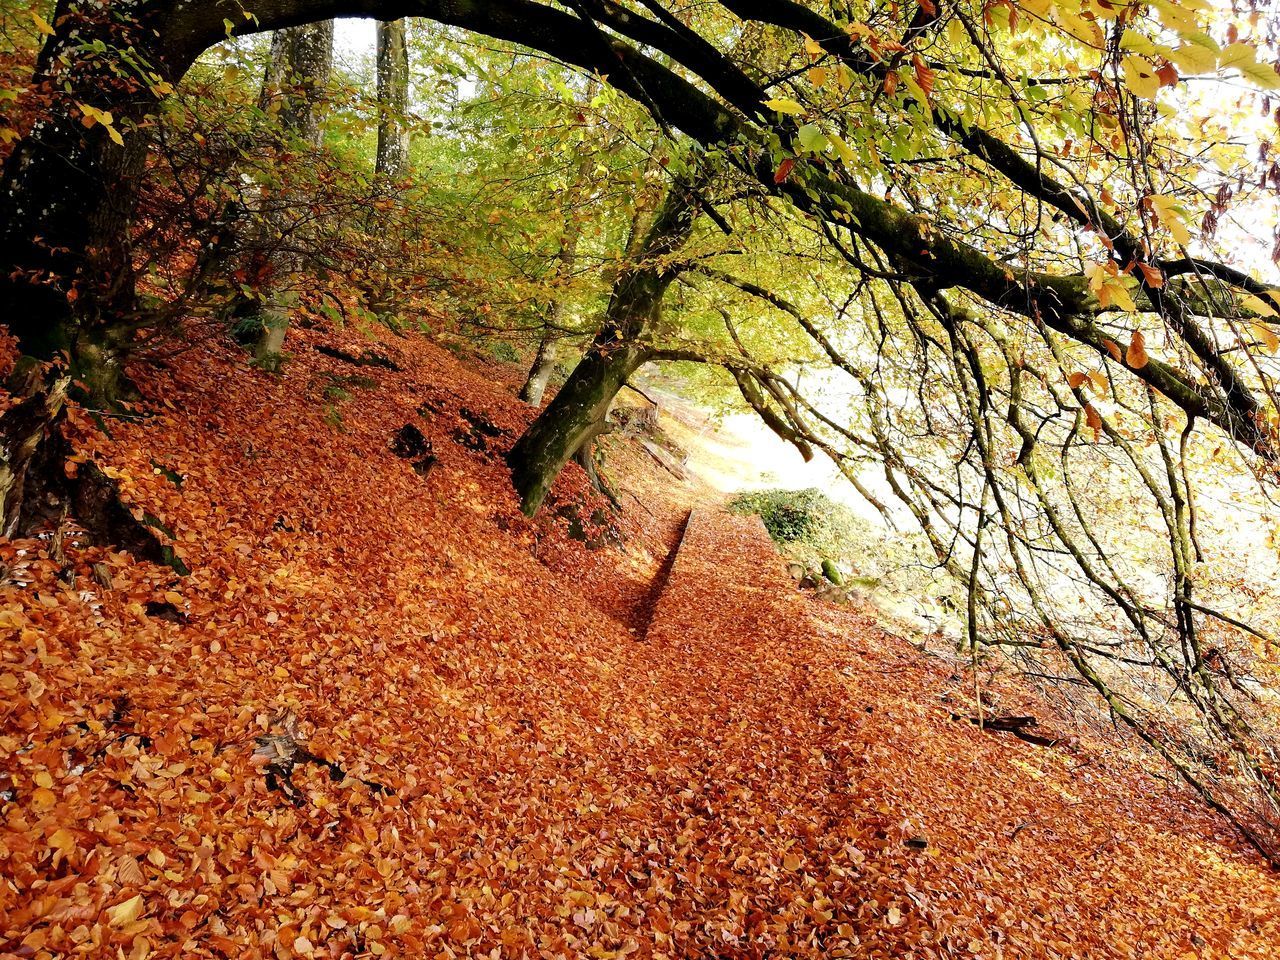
[(1011, 724), (368, 358), (665, 460)]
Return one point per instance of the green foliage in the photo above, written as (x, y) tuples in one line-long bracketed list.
[(806, 523), (504, 350), (788, 515)]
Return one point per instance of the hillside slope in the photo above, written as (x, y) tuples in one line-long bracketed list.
[(387, 715)]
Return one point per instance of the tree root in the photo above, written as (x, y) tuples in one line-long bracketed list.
[(367, 358), (1015, 725), (281, 752), (96, 503)]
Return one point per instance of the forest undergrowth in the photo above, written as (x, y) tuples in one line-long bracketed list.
[(385, 714)]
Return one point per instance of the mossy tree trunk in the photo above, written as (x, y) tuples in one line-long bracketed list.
[(573, 420), (67, 196), (299, 69)]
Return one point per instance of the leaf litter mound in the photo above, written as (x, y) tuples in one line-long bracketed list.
[(387, 715)]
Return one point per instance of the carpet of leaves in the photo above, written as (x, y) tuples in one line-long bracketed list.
[(750, 775)]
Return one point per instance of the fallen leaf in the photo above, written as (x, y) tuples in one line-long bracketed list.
[(125, 912)]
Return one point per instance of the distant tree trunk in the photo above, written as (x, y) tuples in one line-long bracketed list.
[(393, 100), (544, 361), (298, 70), (572, 421), (391, 159)]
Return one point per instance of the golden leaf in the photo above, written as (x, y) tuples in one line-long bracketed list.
[(124, 913), (1267, 336), (1093, 419)]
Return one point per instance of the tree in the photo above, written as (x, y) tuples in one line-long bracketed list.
[(544, 360), (298, 71), (577, 416), (171, 35), (68, 253), (393, 100)]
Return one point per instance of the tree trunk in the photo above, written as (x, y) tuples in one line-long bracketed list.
[(66, 203), (393, 101), (576, 416), (535, 385), (67, 195), (29, 434), (544, 362), (299, 68), (573, 418)]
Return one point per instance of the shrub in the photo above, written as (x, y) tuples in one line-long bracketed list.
[(503, 350), (801, 517)]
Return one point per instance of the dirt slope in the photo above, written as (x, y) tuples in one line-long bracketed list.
[(742, 781)]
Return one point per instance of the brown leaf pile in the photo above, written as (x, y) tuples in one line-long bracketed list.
[(386, 715)]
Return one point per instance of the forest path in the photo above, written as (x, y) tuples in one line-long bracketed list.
[(804, 730)]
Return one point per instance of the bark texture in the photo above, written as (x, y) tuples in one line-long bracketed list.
[(393, 100), (544, 363), (571, 422), (299, 69)]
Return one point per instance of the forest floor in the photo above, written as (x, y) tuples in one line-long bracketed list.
[(387, 715)]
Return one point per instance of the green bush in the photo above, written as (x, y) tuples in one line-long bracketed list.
[(802, 517), (503, 350), (810, 527)]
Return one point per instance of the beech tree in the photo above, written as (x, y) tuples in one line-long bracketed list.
[(544, 360), (393, 99), (298, 70), (60, 249), (577, 414)]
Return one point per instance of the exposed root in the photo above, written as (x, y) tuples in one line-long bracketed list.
[(281, 751)]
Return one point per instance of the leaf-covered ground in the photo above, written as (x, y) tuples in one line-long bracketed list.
[(386, 715)]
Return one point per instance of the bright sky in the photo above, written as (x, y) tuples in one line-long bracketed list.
[(353, 40)]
